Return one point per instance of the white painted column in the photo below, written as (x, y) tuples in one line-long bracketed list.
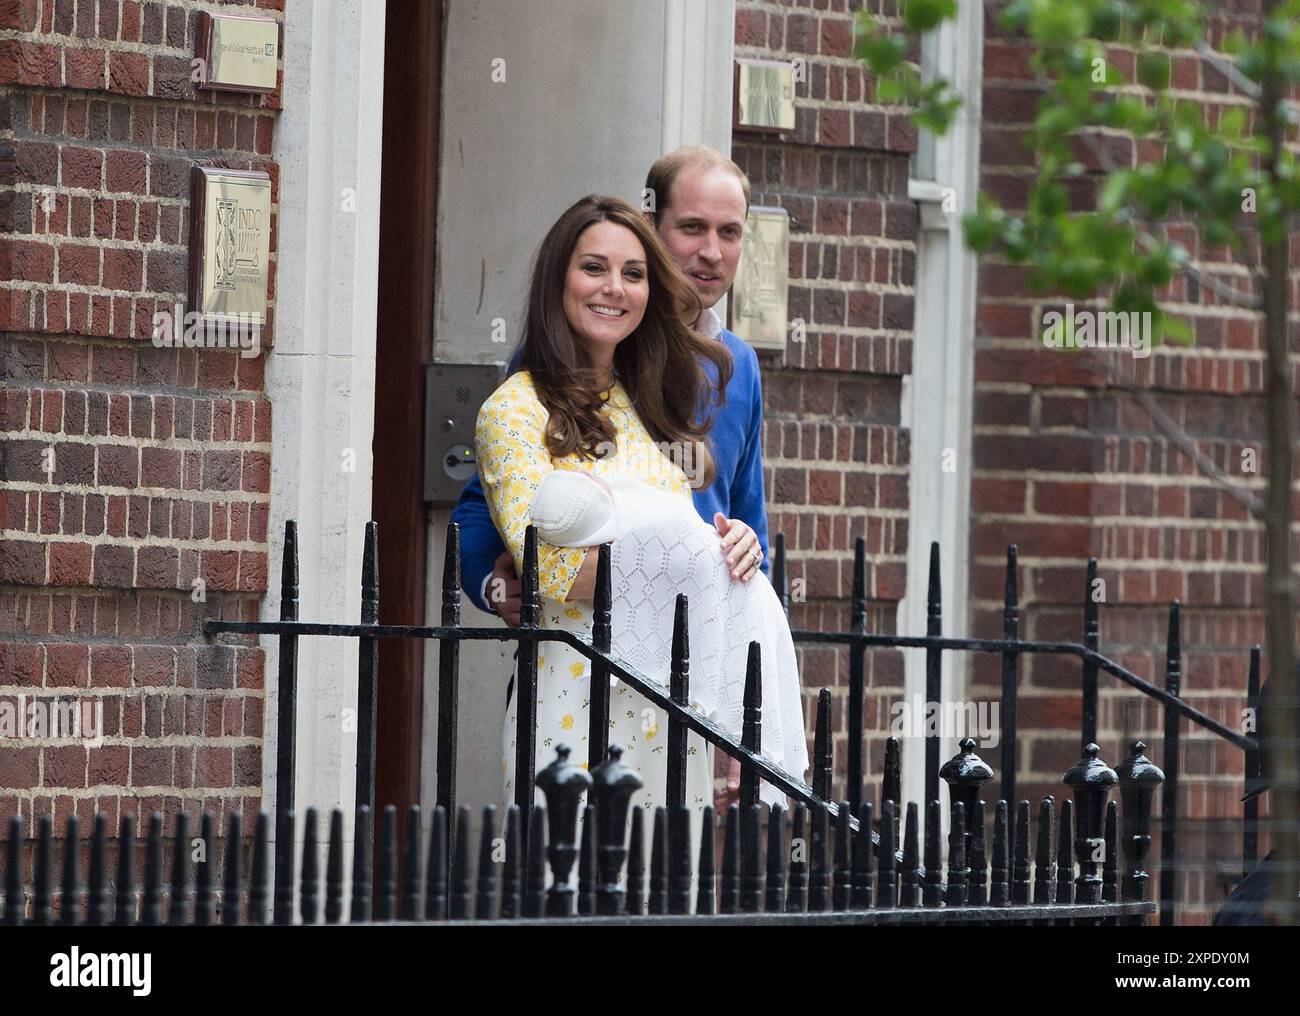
[(321, 371), (939, 421), (698, 73)]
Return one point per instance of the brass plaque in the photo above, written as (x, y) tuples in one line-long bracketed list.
[(230, 243), (759, 296), (764, 95), (237, 53)]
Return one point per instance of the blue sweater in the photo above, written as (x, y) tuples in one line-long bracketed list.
[(737, 491)]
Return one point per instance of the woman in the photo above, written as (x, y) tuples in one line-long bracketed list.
[(610, 384)]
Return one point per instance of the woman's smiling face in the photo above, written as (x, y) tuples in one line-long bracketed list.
[(606, 288)]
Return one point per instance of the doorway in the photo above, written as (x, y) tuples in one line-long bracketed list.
[(407, 223)]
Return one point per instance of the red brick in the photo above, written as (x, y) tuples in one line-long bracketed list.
[(220, 569), (1062, 498), (110, 666), (252, 571), (109, 765), (114, 565), (20, 663), (214, 767), (29, 261), (151, 767), (70, 564), (19, 15), (21, 769), (155, 666), (128, 73), (123, 269), (29, 63), (157, 567), (84, 68), (65, 766), (22, 562), (79, 264), (824, 487), (66, 665), (126, 172), (257, 472)]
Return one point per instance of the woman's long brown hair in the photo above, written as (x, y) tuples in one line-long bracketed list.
[(659, 364)]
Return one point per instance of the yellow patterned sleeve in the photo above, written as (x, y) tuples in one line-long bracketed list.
[(510, 445)]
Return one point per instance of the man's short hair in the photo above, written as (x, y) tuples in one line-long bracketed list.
[(663, 174)]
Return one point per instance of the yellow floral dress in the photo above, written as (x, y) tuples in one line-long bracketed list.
[(512, 462)]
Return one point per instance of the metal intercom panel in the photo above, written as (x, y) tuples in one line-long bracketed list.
[(453, 393)]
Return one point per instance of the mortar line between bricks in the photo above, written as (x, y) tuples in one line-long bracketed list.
[(135, 389)]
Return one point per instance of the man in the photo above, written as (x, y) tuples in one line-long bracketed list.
[(701, 199)]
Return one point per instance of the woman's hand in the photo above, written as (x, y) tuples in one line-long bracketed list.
[(740, 545), (730, 794)]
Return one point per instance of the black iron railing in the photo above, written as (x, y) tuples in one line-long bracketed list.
[(1011, 647), (673, 700), (965, 774), (827, 871)]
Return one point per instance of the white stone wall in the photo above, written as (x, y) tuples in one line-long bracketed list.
[(321, 373)]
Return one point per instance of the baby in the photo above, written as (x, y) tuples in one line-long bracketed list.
[(573, 509), (660, 547)]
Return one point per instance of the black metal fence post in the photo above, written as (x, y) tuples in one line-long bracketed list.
[(965, 773), (368, 670), (1138, 779), (1090, 780), (1091, 636), (679, 690), (261, 863), (286, 743), (1169, 795), (282, 907), (151, 901), (1020, 884), (386, 866), (309, 894), (449, 675), (230, 858), (71, 909), (563, 783), (933, 672), (530, 613), (1010, 675), (602, 638), (15, 905), (436, 870), (1065, 855), (44, 871), (823, 747), (891, 787), (613, 784), (752, 725), (778, 575), (1253, 770), (124, 904), (857, 677)]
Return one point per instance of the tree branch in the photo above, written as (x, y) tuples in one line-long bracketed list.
[(1169, 427)]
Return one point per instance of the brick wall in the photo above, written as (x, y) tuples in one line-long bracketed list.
[(154, 513), (1067, 464), (835, 453)]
